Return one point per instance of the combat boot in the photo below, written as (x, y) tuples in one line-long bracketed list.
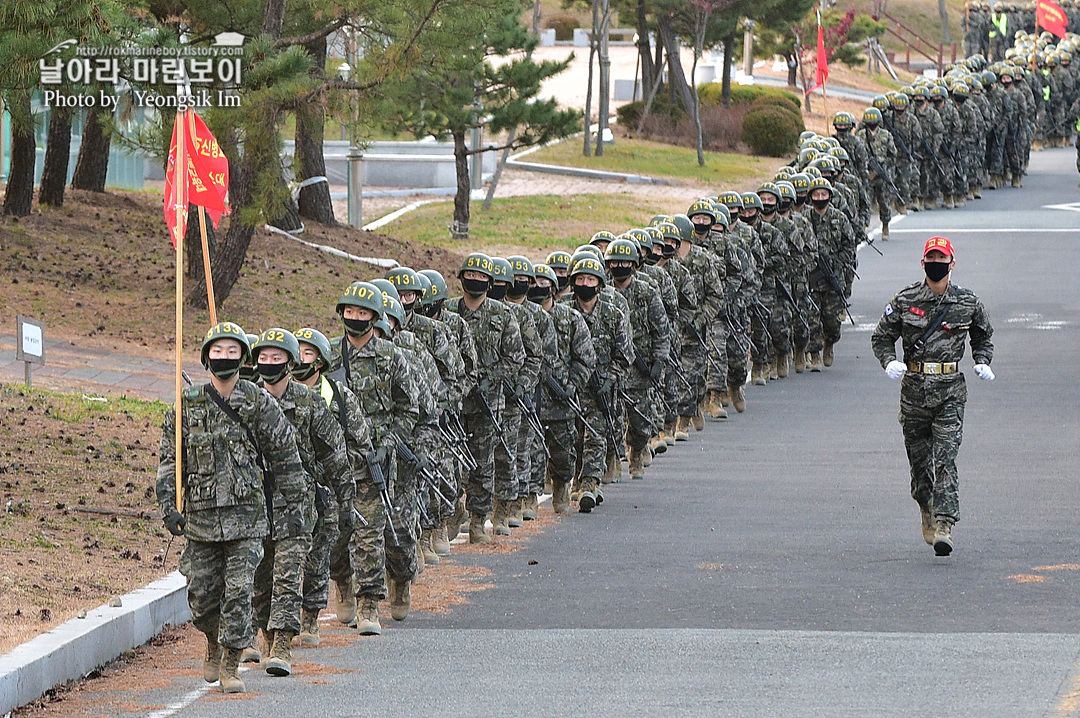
[(646, 458), (943, 543), (738, 398), (682, 429), (658, 445), (560, 496), (885, 231), (309, 627), (928, 528), (614, 469), (977, 192), (667, 434), (251, 654), (430, 557), (815, 361), (420, 564), (230, 677), (575, 491), (714, 406), (368, 619), (499, 519), (827, 355), (781, 365), (440, 541), (345, 601), (457, 521), (211, 666), (773, 376), (514, 519), (637, 463), (400, 598), (759, 374), (698, 419), (725, 397), (280, 661), (949, 204), (1017, 181), (266, 640), (529, 507), (587, 502), (800, 360), (477, 534)]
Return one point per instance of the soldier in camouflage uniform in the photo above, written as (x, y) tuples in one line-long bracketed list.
[(223, 512), (782, 321), (932, 318), (771, 318), (748, 248), (804, 258), (836, 260), (279, 577), (559, 261), (908, 139), (844, 124), (954, 185), (881, 151), (500, 355), (651, 253), (329, 557), (379, 374), (930, 174), (967, 141)]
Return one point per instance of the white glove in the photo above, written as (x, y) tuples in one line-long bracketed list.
[(984, 372), (896, 369)]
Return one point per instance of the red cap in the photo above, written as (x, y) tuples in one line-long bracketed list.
[(939, 243)]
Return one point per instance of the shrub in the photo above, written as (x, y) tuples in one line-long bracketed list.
[(775, 100), (771, 130), (720, 128), (564, 25), (711, 93), (629, 115)]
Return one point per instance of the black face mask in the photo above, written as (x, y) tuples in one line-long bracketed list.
[(936, 271), (870, 125), (409, 307), (651, 259), (303, 372), (223, 369), (750, 220), (356, 327), (564, 282), (539, 294), (248, 373), (785, 205), (498, 291), (669, 250), (621, 273), (520, 288), (960, 100), (585, 293), (768, 210), (842, 130), (273, 373), (800, 200), (434, 309), (820, 203), (702, 229), (475, 287)]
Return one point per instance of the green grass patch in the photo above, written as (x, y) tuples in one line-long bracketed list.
[(656, 159), (72, 408), (535, 224)]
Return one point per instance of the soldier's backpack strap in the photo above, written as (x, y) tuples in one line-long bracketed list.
[(339, 397), (268, 478), (934, 324)]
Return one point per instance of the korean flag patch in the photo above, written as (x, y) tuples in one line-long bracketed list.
[(888, 309)]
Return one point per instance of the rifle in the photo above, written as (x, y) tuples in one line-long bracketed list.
[(432, 478), (674, 367), (564, 396), (740, 335), (834, 284), (630, 405), (528, 410), (794, 305), (880, 171), (378, 478), (456, 429), (933, 158), (899, 140), (608, 412), (459, 450), (870, 243), (955, 157), (709, 348), (491, 415)]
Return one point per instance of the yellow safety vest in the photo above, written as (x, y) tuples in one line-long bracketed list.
[(999, 22), (1046, 88)]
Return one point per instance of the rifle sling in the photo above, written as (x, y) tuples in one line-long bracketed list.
[(268, 478)]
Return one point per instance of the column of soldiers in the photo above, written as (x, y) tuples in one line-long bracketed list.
[(991, 30), (333, 470)]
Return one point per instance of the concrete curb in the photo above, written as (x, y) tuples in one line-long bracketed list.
[(589, 174), (73, 649)]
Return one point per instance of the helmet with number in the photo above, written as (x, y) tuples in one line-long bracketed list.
[(731, 200), (961, 90), (426, 299), (787, 190), (842, 120), (404, 279), (751, 201), (657, 237), (702, 206), (769, 187), (546, 272), (784, 172), (318, 340), (821, 164), (937, 93), (1018, 72), (808, 155), (226, 330), (392, 308), (587, 249), (361, 294), (521, 266), (900, 101), (829, 142), (821, 183), (602, 236), (477, 262), (806, 135), (686, 227), (723, 214), (841, 155), (623, 250), (658, 218), (811, 171), (588, 264), (501, 271), (439, 290), (668, 230), (871, 115), (278, 338), (558, 259), (387, 288)]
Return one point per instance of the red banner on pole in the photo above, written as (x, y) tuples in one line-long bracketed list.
[(822, 58), (206, 179), (1051, 17)]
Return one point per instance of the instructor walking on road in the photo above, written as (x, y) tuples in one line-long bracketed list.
[(933, 317)]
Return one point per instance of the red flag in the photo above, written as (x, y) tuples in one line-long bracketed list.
[(206, 179), (1050, 16), (822, 58)]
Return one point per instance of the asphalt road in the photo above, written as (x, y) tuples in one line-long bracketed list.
[(773, 565)]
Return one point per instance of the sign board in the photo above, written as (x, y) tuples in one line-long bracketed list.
[(30, 344)]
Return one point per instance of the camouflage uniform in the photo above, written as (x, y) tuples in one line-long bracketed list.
[(772, 331), (971, 121), (508, 468), (529, 445), (932, 405), (500, 354), (856, 150), (955, 183), (652, 344), (907, 167), (740, 291), (879, 144), (929, 175), (379, 375), (804, 249), (699, 282), (836, 250), (224, 501)]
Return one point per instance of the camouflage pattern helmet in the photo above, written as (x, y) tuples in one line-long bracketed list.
[(278, 338), (477, 262), (821, 183), (558, 260), (387, 288), (439, 290), (751, 201), (317, 339), (871, 114), (521, 266), (361, 294), (731, 200), (226, 330), (623, 250), (404, 280), (501, 270), (702, 206), (602, 236), (584, 263), (546, 272), (686, 227)]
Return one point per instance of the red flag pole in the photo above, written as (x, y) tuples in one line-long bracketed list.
[(180, 199), (207, 272)]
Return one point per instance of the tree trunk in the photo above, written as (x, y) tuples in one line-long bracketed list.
[(729, 47), (604, 102), (19, 197), (92, 166), (314, 201), (57, 157), (676, 77), (193, 243), (647, 67), (587, 149), (536, 19), (460, 228), (944, 13), (288, 216), (697, 115), (273, 17), (789, 58)]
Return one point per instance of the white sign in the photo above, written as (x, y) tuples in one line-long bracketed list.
[(31, 340), (31, 346)]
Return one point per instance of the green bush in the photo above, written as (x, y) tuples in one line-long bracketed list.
[(564, 25), (629, 115), (773, 100), (711, 93), (771, 130)]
